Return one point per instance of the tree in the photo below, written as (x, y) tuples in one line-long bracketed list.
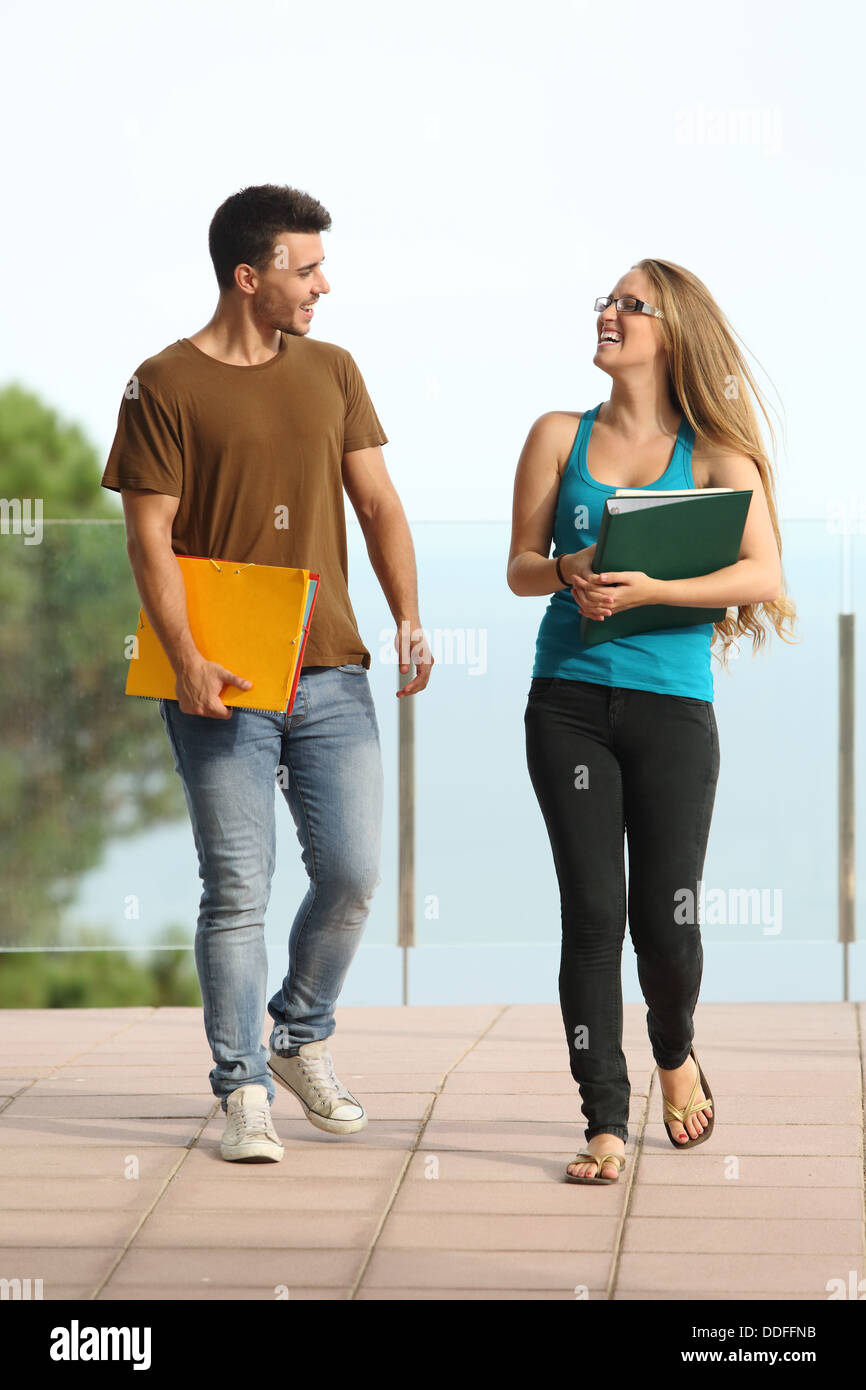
[(80, 762)]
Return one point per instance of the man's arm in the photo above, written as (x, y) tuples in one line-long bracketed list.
[(149, 516), (389, 546)]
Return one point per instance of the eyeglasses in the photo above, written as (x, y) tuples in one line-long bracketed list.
[(629, 305)]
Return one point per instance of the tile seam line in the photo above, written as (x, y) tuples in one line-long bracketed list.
[(861, 1042), (416, 1144), (616, 1253), (74, 1058), (169, 1178)]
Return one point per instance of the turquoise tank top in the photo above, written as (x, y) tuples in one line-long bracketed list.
[(671, 661)]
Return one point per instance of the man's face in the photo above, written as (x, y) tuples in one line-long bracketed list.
[(291, 282)]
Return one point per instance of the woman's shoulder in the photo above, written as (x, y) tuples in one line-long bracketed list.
[(561, 428)]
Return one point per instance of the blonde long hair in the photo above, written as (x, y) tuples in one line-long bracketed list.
[(706, 370)]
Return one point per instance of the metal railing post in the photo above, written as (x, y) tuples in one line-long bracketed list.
[(847, 901), (406, 826)]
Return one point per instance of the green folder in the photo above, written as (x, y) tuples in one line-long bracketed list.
[(667, 536)]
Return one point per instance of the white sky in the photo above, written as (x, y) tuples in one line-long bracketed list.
[(489, 168)]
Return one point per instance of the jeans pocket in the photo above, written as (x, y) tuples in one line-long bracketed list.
[(354, 669)]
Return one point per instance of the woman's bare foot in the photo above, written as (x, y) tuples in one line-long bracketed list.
[(677, 1086), (599, 1144)]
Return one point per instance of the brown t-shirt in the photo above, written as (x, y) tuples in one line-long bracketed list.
[(255, 456)]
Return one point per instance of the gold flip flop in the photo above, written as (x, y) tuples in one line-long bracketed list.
[(671, 1112), (599, 1160)]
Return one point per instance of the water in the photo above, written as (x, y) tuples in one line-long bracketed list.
[(484, 872)]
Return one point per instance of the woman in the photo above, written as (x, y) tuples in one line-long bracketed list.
[(621, 737)]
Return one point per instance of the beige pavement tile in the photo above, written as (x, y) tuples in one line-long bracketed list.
[(716, 1170), (503, 1062), (729, 1235), (499, 1232), (365, 1295), (378, 1083), (384, 1105), (84, 1229), (232, 1269), (76, 1195), (69, 1293), (414, 1018), (511, 1166), (504, 1107), (784, 1056), (181, 1293), (744, 1108), (24, 1073), (31, 1131), (388, 1134), (558, 1082), (732, 1199), (505, 1135), (501, 1269), (734, 1295), (689, 1273), (338, 1158), (58, 1161), (805, 1082), (40, 1107), (173, 1053), (292, 1193), (541, 1083), (353, 1061), (21, 1061), (56, 1265), (120, 1083), (260, 1230), (552, 1198), (96, 1014), (802, 1140)]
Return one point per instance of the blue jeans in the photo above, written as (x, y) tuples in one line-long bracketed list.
[(325, 757), (647, 765)]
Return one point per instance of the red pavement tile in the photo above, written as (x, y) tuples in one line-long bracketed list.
[(583, 1231), (480, 1210), (264, 1229), (234, 1269), (560, 1271), (180, 1293), (689, 1273)]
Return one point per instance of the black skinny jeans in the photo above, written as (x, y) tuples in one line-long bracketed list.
[(604, 763)]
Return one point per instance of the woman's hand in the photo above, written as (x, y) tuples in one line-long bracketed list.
[(600, 596)]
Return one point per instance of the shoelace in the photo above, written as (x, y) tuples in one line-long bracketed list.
[(321, 1069), (251, 1120)]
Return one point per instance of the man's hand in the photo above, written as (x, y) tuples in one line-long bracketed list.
[(198, 689), (411, 647)]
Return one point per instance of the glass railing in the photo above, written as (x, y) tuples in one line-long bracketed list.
[(97, 846)]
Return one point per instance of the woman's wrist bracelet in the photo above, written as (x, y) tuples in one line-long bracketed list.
[(560, 575)]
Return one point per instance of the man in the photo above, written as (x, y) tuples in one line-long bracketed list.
[(237, 443)]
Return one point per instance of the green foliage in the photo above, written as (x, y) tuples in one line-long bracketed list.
[(42, 456), (80, 762), (97, 979)]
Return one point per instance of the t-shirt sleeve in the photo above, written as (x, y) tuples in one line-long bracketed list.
[(147, 451), (362, 428)]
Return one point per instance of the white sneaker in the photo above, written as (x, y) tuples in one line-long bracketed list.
[(309, 1075), (249, 1132)]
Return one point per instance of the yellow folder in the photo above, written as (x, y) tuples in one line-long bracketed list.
[(252, 619)]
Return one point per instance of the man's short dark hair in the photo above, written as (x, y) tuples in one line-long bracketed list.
[(243, 228)]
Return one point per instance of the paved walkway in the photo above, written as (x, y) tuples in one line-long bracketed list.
[(112, 1187)]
